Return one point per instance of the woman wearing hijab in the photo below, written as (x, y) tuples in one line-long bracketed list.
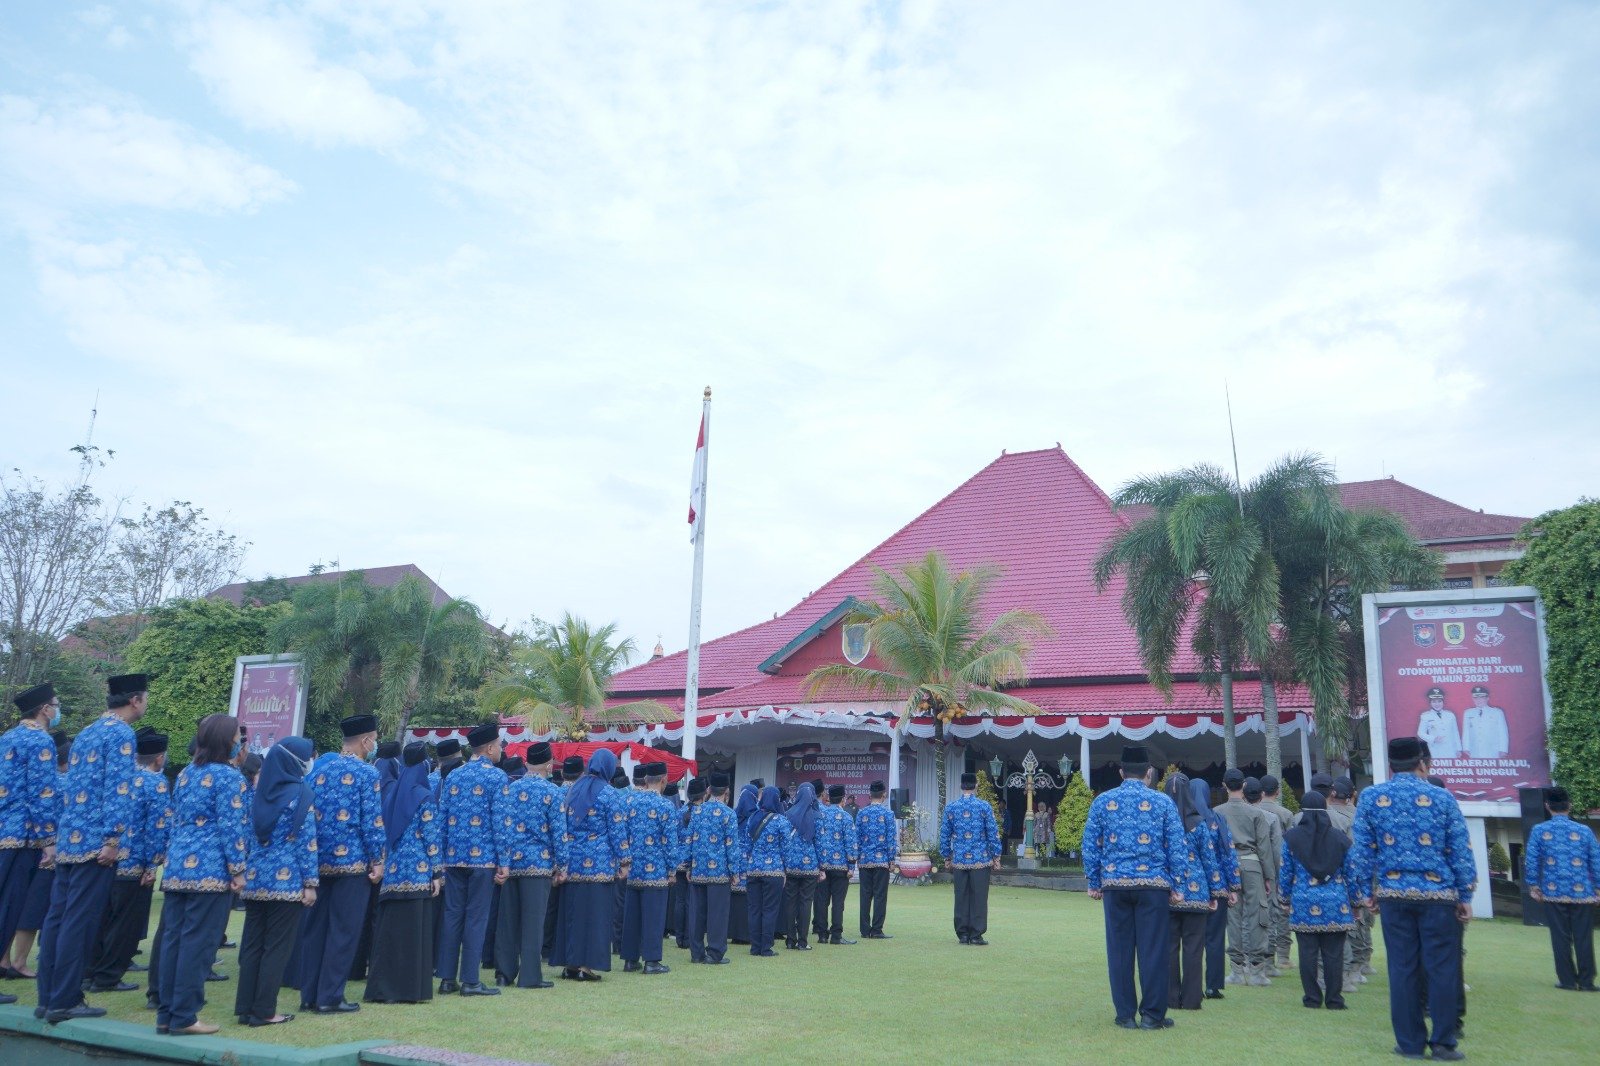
[(401, 968), (1193, 901), (1318, 888), (769, 832), (1224, 886), (280, 879), (597, 856), (800, 867), (747, 804), (205, 865)]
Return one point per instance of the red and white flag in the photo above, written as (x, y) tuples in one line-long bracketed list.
[(697, 486)]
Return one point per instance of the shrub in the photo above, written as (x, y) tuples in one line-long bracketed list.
[(989, 795), (1499, 861), (1072, 813)]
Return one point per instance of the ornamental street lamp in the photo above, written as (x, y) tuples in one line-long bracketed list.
[(1026, 779)]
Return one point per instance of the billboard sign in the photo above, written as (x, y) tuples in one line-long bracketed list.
[(853, 764), (269, 698)]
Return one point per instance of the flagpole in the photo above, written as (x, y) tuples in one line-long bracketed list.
[(691, 685)]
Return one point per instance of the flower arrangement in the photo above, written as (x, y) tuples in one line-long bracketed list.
[(911, 841)]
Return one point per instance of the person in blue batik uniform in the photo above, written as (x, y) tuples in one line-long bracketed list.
[(598, 854), (537, 828), (769, 832), (128, 912), (801, 872), (350, 857), (1135, 852), (206, 860), (654, 844), (1196, 900), (630, 799), (96, 814), (1411, 854), (716, 857), (969, 840), (1224, 888), (476, 843), (28, 805), (1316, 881), (837, 851), (879, 841), (1562, 870), (404, 936), (280, 878)]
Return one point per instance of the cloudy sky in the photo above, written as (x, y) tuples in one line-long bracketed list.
[(440, 281)]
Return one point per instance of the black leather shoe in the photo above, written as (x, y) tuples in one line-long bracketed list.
[(1127, 1023), (978, 942), (767, 954), (1447, 1054), (539, 984), (1164, 1023), (1215, 993), (478, 988), (344, 1007), (656, 967), (137, 967), (502, 981), (6, 999), (883, 936), (215, 976), (82, 1010), (257, 1023), (964, 940), (585, 975), (717, 962), (840, 940), (631, 967), (800, 945), (446, 987), (1566, 988), (152, 1004), (120, 986), (39, 1013), (230, 944)]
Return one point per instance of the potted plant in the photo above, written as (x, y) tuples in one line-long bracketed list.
[(1499, 861), (913, 862)]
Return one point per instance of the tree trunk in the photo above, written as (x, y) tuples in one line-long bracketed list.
[(1230, 735), (939, 765), (1269, 719)]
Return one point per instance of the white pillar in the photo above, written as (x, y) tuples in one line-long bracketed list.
[(1482, 899), (1083, 755), (894, 758), (1305, 751)]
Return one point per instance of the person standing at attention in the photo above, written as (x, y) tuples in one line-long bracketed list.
[(1562, 869), (969, 840), (879, 843), (1318, 892)]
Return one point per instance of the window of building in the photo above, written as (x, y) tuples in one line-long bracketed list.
[(1492, 581), (1458, 582)]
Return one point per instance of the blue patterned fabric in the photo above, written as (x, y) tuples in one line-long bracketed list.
[(837, 848), (417, 859), (877, 836), (716, 854), (349, 812), (596, 853), (536, 827), (97, 792), (209, 825), (1134, 839), (1562, 861), (654, 841), (1318, 906), (1225, 867), (800, 855), (145, 848), (28, 783), (286, 864), (1200, 872), (1411, 840), (769, 848), (473, 806), (969, 839)]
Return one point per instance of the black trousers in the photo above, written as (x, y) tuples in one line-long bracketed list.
[(17, 869), (552, 917), (358, 964), (491, 928), (1216, 946), (331, 934), (1186, 950), (644, 923), (1572, 937), (1423, 945), (467, 890), (618, 913), (1328, 948), (830, 904), (678, 909), (874, 898), (972, 902), (71, 926), (126, 912), (1138, 924), (764, 899), (270, 927), (708, 920), (798, 893), (519, 936), (195, 922)]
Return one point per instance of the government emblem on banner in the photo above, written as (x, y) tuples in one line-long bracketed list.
[(856, 644), (1425, 634), (1455, 633)]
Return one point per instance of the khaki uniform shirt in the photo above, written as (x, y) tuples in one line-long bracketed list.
[(1254, 833)]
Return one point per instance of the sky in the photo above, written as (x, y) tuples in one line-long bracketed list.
[(441, 281)]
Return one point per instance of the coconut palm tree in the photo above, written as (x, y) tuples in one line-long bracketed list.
[(557, 682), (938, 657)]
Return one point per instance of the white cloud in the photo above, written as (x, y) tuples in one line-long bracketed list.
[(265, 71)]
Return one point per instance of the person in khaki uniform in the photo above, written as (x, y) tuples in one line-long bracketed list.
[(1358, 945), (1254, 844), (1279, 936)]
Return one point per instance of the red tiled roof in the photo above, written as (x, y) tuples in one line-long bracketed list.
[(1431, 519), (378, 576), (1035, 515)]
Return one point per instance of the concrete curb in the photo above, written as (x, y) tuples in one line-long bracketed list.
[(123, 1040)]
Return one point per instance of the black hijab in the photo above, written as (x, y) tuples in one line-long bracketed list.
[(1177, 788), (408, 792), (1314, 842), (282, 782), (803, 813)]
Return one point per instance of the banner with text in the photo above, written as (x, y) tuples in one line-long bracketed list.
[(269, 698), (853, 764)]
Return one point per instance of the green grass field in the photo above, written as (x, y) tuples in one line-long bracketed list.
[(1038, 993)]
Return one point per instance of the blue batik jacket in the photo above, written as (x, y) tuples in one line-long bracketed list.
[(416, 861), (769, 848), (878, 836), (475, 832), (969, 839), (837, 848), (29, 801), (1411, 843), (209, 826), (145, 847), (1318, 906), (1225, 867), (1199, 870), (349, 813), (654, 841), (97, 792), (287, 863), (1134, 839), (716, 854), (1563, 862), (536, 825), (597, 841), (800, 855)]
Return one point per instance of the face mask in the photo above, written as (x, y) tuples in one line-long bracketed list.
[(55, 717), (234, 754), (371, 755)]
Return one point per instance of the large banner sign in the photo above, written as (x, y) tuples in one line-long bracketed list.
[(269, 698), (853, 764), (1465, 672)]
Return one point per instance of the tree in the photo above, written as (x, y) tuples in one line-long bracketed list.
[(1072, 814), (990, 795), (1562, 560), (173, 552), (938, 658), (557, 681)]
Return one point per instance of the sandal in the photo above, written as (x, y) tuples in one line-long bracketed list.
[(277, 1019)]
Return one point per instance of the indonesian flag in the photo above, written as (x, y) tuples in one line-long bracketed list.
[(697, 486)]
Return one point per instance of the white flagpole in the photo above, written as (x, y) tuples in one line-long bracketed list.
[(691, 685)]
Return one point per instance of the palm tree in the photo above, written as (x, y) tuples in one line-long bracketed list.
[(557, 682), (937, 657)]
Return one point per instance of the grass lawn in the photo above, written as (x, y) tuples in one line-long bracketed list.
[(1037, 994)]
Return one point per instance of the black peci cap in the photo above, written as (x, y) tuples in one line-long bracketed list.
[(538, 753), (127, 684), (30, 700), (389, 749), (877, 788), (358, 725), (414, 753), (448, 747), (482, 736)]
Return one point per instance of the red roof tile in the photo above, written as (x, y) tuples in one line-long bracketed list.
[(1431, 519), (378, 576)]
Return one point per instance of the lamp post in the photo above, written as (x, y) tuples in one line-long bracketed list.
[(1029, 765)]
